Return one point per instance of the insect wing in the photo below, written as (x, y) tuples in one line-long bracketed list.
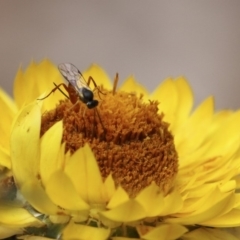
[(73, 76)]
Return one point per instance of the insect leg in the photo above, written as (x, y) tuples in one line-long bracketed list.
[(54, 89), (65, 86), (75, 107), (105, 135), (90, 79)]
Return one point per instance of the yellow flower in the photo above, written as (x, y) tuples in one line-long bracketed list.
[(141, 165)]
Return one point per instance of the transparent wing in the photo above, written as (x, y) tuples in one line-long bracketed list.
[(73, 76)]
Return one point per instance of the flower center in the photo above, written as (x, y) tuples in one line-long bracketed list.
[(128, 137)]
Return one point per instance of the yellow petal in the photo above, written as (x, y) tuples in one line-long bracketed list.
[(109, 223), (194, 128), (78, 231), (120, 196), (171, 205), (185, 101), (37, 197), (99, 75), (151, 199), (230, 219), (127, 212), (47, 74), (167, 95), (162, 232), (6, 231), (59, 219), (131, 85), (80, 216), (199, 192), (226, 145), (19, 91), (17, 216), (207, 207), (50, 147), (237, 201), (25, 90), (25, 144), (82, 169), (58, 187), (227, 186), (37, 79), (8, 111), (29, 237), (208, 234), (109, 188), (211, 172), (5, 159), (124, 238)]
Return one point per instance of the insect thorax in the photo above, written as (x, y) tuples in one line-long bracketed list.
[(87, 98), (87, 95)]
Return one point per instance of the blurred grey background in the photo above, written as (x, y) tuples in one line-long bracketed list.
[(150, 39)]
